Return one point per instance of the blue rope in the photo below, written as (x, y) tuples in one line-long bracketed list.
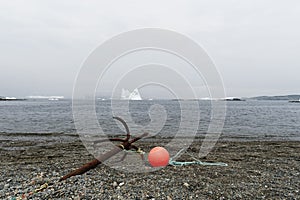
[(176, 163), (197, 162)]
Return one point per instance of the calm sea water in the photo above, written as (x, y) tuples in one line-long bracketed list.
[(245, 120)]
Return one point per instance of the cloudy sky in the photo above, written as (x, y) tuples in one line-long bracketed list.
[(254, 44)]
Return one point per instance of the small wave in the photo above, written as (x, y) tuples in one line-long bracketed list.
[(38, 134)]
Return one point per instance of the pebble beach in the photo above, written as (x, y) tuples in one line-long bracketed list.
[(256, 170)]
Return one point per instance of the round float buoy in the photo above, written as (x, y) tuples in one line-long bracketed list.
[(158, 157)]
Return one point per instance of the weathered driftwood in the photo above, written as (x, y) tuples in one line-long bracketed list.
[(124, 145)]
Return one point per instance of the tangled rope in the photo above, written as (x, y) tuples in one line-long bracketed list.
[(197, 162)]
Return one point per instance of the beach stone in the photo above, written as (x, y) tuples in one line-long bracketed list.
[(115, 184), (186, 185), (6, 186)]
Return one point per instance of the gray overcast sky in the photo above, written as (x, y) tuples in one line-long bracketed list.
[(255, 44)]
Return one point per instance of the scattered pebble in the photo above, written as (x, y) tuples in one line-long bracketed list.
[(186, 184), (115, 184)]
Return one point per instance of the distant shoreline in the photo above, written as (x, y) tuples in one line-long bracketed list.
[(291, 97)]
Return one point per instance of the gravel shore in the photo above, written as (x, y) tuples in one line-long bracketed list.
[(256, 170)]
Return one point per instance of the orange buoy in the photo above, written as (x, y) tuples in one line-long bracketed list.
[(158, 157)]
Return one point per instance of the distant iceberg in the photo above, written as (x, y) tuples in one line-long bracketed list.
[(134, 95), (10, 98), (53, 99), (50, 98), (125, 94), (46, 97)]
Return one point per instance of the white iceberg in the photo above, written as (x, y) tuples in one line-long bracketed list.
[(134, 95)]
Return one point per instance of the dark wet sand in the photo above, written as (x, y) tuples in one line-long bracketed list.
[(256, 170)]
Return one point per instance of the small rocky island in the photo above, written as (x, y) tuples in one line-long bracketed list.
[(10, 99)]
